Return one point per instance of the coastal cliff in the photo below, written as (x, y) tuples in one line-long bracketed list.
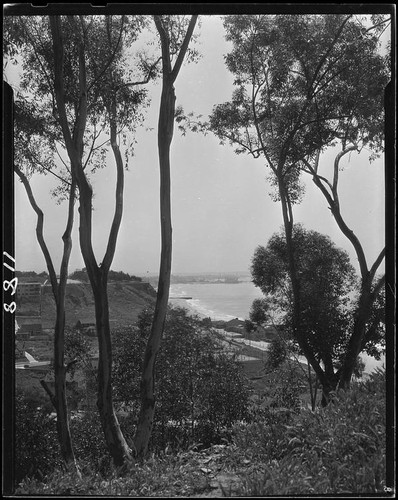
[(126, 300)]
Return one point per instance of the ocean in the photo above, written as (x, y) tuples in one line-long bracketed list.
[(225, 301), (219, 301)]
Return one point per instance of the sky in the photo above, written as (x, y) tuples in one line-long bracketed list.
[(221, 208)]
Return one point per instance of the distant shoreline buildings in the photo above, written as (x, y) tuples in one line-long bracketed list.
[(28, 326), (29, 289)]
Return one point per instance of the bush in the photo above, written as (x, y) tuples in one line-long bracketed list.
[(36, 445), (284, 386), (89, 444), (249, 326), (200, 390), (277, 353), (339, 449)]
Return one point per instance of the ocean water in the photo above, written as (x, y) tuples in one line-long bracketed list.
[(219, 301)]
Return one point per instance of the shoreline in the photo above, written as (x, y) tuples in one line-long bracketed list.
[(185, 303), (217, 301), (370, 363)]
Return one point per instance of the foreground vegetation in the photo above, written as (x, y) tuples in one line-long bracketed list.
[(260, 445)]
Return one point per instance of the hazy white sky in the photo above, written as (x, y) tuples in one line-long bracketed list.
[(220, 201)]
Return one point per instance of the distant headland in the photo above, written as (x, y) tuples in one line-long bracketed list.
[(227, 278)]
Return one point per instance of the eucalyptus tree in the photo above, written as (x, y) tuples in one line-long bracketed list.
[(362, 130), (103, 88), (175, 33), (76, 70), (26, 161), (327, 284), (35, 151), (303, 83)]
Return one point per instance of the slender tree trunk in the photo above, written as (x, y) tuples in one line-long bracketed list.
[(60, 370), (288, 222), (356, 340), (98, 274), (58, 399), (114, 438), (312, 392), (115, 441), (165, 136), (327, 382)]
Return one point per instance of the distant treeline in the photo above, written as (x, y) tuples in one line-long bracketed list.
[(208, 278), (80, 275), (31, 276), (112, 276)]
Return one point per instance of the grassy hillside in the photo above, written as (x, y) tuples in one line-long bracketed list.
[(126, 301)]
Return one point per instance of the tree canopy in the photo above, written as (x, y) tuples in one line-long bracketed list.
[(112, 276), (301, 84), (40, 140), (327, 286)]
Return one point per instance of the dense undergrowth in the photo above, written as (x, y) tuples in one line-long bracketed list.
[(339, 449), (334, 450)]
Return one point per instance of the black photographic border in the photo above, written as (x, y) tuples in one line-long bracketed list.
[(35, 8)]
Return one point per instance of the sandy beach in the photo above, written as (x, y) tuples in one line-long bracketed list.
[(185, 304)]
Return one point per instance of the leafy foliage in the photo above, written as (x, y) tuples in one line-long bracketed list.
[(89, 443), (176, 28), (339, 449), (326, 279), (277, 353), (36, 444), (249, 326), (200, 389), (40, 144), (77, 350), (112, 276), (30, 274), (259, 311), (375, 340), (302, 82), (335, 450)]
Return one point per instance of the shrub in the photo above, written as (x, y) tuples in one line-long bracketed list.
[(249, 326), (89, 445), (339, 449), (277, 353), (37, 452), (200, 390), (36, 445), (284, 386)]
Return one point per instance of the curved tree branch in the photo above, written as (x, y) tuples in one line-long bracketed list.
[(184, 47), (110, 251), (334, 206), (39, 231), (111, 58), (165, 44), (336, 167)]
